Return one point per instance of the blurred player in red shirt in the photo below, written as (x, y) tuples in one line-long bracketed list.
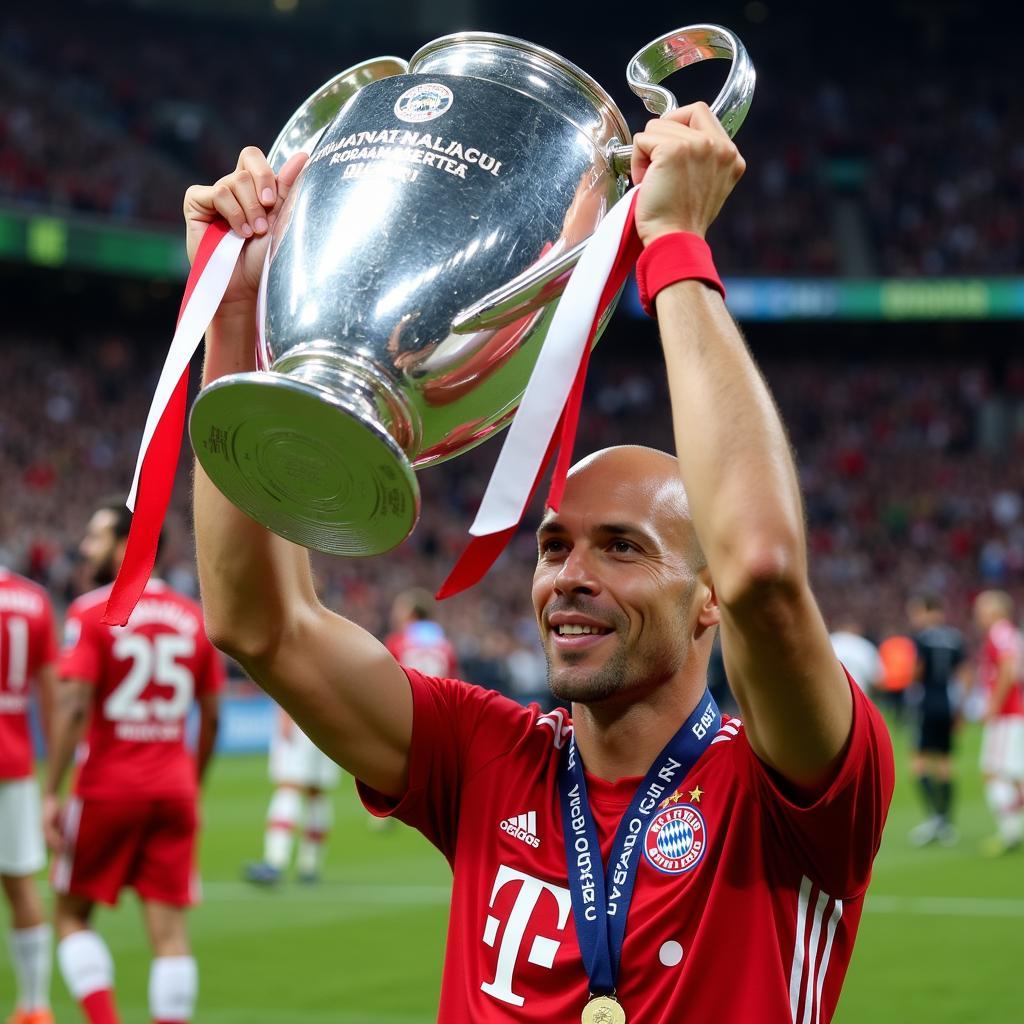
[(1000, 672), (28, 655), (132, 817), (417, 641)]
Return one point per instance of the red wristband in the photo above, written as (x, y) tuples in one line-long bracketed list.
[(680, 256)]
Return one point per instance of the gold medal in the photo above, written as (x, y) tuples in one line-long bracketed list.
[(603, 1010)]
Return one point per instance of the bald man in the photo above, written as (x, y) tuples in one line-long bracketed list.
[(646, 858)]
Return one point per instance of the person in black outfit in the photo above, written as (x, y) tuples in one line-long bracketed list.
[(940, 652)]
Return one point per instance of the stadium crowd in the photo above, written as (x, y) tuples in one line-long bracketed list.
[(911, 473), (936, 208), (908, 470), (124, 138)]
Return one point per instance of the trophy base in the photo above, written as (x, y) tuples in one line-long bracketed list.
[(305, 464)]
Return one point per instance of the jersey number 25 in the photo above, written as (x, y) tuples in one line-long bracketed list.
[(154, 659)]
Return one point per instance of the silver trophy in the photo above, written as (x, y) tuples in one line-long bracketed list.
[(415, 268)]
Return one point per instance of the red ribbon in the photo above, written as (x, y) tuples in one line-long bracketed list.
[(482, 552), (159, 467)]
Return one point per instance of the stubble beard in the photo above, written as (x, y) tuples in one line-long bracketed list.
[(619, 673), (103, 572), (604, 682)]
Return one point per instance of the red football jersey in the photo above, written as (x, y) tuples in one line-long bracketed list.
[(746, 903), (1003, 640), (424, 647), (145, 675), (27, 644)]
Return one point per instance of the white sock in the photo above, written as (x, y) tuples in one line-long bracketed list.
[(31, 952), (173, 986), (319, 816), (85, 964), (1003, 802), (282, 819)]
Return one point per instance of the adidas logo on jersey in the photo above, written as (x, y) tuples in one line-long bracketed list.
[(523, 827)]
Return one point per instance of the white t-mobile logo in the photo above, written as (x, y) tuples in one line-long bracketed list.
[(543, 950)]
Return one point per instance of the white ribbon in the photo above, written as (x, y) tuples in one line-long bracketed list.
[(546, 394), (195, 318)]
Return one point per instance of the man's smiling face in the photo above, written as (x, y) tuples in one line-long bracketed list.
[(616, 577)]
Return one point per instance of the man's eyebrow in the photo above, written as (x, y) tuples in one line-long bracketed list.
[(629, 530), (553, 526)]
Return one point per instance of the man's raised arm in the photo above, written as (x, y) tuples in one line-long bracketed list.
[(738, 470), (333, 677)]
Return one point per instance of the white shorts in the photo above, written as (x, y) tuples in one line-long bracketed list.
[(22, 851), (295, 760), (1002, 747)]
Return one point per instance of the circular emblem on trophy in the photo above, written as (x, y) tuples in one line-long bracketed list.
[(676, 839), (423, 102)]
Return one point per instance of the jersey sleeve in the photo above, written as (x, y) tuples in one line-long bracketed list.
[(834, 836), (82, 654), (213, 676), (457, 730), (1005, 642), (47, 636)]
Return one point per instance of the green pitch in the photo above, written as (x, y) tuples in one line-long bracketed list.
[(940, 942)]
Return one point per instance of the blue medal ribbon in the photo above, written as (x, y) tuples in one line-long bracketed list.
[(600, 898)]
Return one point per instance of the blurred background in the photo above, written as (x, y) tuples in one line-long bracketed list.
[(873, 254)]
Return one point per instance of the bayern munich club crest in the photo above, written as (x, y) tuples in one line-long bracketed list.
[(423, 102), (675, 839)]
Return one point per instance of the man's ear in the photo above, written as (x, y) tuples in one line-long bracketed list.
[(708, 615)]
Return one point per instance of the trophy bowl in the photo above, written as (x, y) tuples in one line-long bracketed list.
[(414, 270)]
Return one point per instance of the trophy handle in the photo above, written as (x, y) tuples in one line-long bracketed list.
[(317, 111), (673, 51), (676, 50)]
